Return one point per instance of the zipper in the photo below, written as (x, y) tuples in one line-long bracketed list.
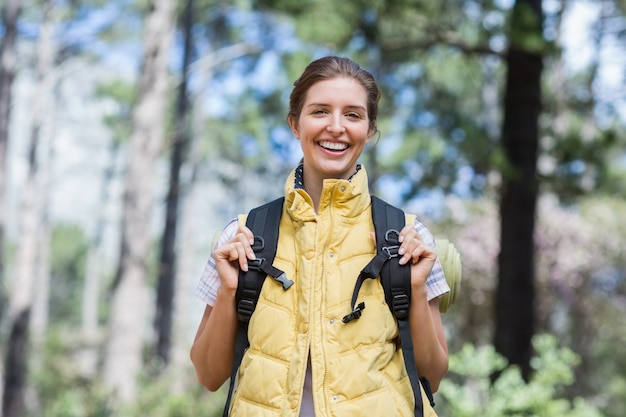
[(324, 284)]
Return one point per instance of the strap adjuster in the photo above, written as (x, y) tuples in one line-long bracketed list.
[(391, 251), (245, 308), (392, 236), (400, 305), (256, 264)]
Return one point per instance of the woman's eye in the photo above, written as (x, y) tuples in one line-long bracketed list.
[(354, 115)]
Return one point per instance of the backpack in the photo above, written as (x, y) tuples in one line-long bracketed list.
[(388, 220)]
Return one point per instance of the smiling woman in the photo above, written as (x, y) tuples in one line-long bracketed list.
[(307, 360)]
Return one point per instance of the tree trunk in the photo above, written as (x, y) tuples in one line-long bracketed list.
[(24, 284), (87, 357), (41, 300), (15, 374), (515, 295), (10, 14), (167, 264), (123, 355), (182, 331)]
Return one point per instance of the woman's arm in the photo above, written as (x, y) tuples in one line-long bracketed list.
[(429, 343), (214, 345), (213, 348)]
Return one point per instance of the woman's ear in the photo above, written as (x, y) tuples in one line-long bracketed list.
[(371, 132), (293, 125)]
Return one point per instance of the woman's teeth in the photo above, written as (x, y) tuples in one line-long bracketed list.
[(334, 146)]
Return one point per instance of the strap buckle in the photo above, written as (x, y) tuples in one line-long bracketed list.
[(355, 314), (391, 251), (258, 244), (256, 264)]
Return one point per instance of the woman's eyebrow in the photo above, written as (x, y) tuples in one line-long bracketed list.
[(350, 106)]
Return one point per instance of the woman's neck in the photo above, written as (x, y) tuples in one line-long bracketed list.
[(314, 190)]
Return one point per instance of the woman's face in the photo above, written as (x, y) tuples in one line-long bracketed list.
[(333, 128)]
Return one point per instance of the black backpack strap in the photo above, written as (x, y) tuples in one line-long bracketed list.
[(395, 278), (264, 222), (396, 281)]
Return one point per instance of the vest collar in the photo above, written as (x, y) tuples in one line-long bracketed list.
[(351, 197)]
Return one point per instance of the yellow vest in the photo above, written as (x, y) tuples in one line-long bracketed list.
[(357, 367)]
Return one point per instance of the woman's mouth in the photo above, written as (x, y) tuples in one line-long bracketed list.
[(334, 146)]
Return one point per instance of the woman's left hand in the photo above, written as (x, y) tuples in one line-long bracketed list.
[(421, 256)]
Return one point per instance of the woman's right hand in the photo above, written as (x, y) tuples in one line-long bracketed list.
[(232, 256)]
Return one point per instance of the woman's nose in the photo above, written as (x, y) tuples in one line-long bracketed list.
[(335, 126)]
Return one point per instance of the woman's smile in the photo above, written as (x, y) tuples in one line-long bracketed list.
[(334, 146)]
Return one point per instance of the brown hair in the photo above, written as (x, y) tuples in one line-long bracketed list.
[(332, 67)]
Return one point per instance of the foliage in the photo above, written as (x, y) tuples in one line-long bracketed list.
[(581, 285), (468, 391), (62, 392), (158, 399), (120, 96), (69, 246)]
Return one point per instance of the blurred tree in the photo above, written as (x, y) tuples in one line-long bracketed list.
[(11, 11), (212, 41), (178, 154), (580, 285), (120, 94), (25, 281), (123, 352), (584, 137), (515, 294)]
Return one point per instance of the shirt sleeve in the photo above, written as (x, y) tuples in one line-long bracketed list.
[(210, 281), (436, 284)]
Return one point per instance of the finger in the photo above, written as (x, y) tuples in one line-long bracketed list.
[(247, 233), (243, 253), (246, 244), (423, 251), (419, 250), (410, 241), (233, 252), (406, 231)]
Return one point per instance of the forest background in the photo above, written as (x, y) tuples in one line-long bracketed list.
[(131, 131)]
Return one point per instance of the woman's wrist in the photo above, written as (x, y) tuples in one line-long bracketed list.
[(419, 291), (226, 293)]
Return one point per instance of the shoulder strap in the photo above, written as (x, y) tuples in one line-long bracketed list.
[(395, 278), (264, 222), (396, 282)]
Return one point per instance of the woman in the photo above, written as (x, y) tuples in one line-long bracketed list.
[(302, 360)]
